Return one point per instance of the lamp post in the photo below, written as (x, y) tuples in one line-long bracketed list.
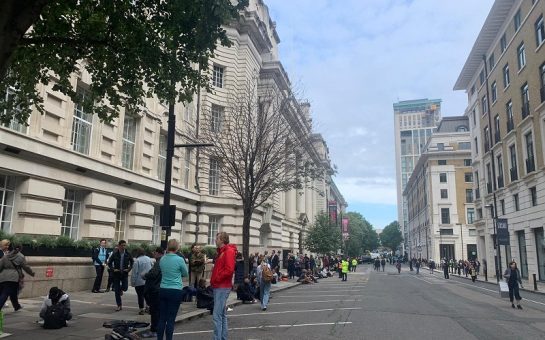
[(427, 245), (461, 239), (497, 260)]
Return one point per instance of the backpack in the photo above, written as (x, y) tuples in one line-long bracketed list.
[(54, 317), (266, 273)]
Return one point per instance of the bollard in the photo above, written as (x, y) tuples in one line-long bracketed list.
[(485, 275), (535, 281)]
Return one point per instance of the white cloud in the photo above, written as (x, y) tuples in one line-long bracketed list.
[(378, 190)]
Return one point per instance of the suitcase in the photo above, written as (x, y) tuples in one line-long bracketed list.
[(504, 289)]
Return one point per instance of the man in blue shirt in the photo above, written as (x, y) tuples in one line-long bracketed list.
[(100, 255)]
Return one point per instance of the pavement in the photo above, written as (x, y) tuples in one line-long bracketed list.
[(91, 310), (383, 305)]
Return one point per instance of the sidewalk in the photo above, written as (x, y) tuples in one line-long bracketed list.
[(90, 310)]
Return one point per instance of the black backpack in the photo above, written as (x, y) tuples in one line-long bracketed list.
[(54, 317)]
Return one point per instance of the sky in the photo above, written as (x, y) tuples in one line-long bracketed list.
[(352, 59)]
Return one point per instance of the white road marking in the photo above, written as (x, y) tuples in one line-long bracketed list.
[(295, 296), (271, 326), (303, 302), (497, 291), (297, 311), (431, 283), (332, 291)]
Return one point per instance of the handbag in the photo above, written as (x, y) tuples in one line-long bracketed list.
[(21, 275), (504, 289)]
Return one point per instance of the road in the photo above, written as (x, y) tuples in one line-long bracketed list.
[(383, 305)]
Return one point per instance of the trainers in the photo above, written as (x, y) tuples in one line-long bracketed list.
[(21, 307), (229, 309), (519, 306), (264, 308)]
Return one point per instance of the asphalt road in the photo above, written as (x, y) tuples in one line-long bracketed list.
[(383, 305)]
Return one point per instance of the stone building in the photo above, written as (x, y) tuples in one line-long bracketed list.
[(504, 77), (67, 173)]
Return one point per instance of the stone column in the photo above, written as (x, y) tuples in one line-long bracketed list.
[(140, 222), (98, 217)]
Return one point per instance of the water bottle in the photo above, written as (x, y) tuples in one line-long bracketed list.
[(1, 322)]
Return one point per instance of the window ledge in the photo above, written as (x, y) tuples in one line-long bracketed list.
[(507, 87), (521, 69), (540, 45)]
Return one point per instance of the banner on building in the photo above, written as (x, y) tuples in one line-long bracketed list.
[(502, 231), (344, 224), (333, 212)]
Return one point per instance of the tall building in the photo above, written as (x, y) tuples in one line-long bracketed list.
[(504, 77), (67, 173), (414, 122), (439, 196)]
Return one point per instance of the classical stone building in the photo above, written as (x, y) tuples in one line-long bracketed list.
[(504, 77), (439, 196), (67, 173)]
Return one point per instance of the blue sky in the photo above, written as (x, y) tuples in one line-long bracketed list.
[(352, 59)]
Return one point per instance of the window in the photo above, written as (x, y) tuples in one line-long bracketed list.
[(470, 215), (540, 31), (188, 112), (481, 77), (517, 20), (484, 105), (525, 97), (516, 202), (217, 76), (469, 196), (499, 161), (213, 229), (444, 193), (476, 146), (472, 91), (214, 177), (497, 135), (486, 133), (129, 139), (162, 157), (513, 158), (7, 195), (509, 113), (443, 177), (445, 215), (157, 230), (14, 123), (521, 55), (472, 232), (533, 196), (464, 146), (489, 178), (467, 162), (474, 115), (491, 62), (82, 125), (442, 162), (440, 146), (120, 220), (187, 165), (447, 232), (506, 79), (530, 163), (71, 211), (462, 128), (542, 82), (503, 43), (502, 207), (494, 91), (217, 116), (468, 177)]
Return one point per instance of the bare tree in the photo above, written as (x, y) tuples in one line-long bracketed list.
[(258, 144)]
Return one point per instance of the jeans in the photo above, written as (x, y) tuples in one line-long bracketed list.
[(121, 283), (417, 270), (9, 289), (98, 280), (170, 300), (140, 294), (264, 293), (219, 316), (154, 305)]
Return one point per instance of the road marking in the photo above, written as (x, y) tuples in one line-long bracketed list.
[(496, 291), (295, 296), (297, 311), (431, 283), (340, 323), (333, 291), (303, 302)]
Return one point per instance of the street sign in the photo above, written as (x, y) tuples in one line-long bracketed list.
[(167, 217), (503, 231)]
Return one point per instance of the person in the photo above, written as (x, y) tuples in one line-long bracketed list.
[(197, 264), (291, 266), (141, 266), (121, 263), (398, 266), (275, 261), (445, 268), (312, 263), (354, 264), (173, 268), (432, 266), (151, 291), (245, 291), (221, 282), (513, 278), (205, 296), (110, 283), (4, 246), (383, 263), (377, 264), (417, 265), (11, 276), (55, 310), (264, 275), (239, 270), (344, 269), (472, 272), (99, 256)]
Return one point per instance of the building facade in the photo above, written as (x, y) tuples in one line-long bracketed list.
[(67, 173), (439, 196), (414, 122), (504, 77)]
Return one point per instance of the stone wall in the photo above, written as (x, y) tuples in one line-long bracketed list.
[(71, 274)]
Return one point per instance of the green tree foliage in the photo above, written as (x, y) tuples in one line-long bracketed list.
[(323, 237), (362, 235), (132, 50), (391, 236)]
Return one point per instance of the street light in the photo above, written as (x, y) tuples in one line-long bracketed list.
[(497, 260), (461, 238)]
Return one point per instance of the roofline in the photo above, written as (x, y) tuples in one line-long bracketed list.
[(495, 19)]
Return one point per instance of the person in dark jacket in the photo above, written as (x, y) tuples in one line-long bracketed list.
[(513, 278), (291, 266), (245, 291), (100, 256), (239, 270), (11, 273), (121, 263), (205, 296), (275, 262), (56, 296), (151, 292)]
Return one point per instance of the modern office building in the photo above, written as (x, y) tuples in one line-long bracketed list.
[(67, 173), (414, 122), (439, 196), (504, 77)]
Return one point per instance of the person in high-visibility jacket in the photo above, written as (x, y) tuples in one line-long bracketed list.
[(354, 264), (344, 269)]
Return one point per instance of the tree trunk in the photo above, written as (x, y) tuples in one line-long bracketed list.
[(248, 211)]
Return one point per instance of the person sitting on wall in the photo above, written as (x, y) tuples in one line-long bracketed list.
[(245, 291), (205, 296)]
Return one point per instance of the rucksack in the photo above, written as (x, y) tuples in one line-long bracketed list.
[(54, 317), (266, 273)]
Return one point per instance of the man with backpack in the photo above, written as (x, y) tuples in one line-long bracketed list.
[(265, 276), (55, 309)]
